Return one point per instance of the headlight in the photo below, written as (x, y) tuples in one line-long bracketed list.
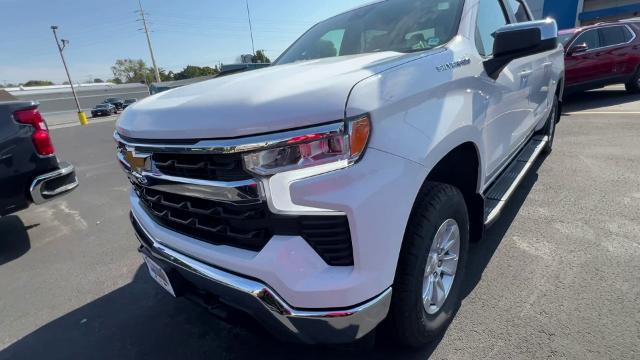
[(313, 149)]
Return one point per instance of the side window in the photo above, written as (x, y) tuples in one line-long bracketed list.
[(590, 38), (490, 18), (519, 10), (612, 35), (331, 42)]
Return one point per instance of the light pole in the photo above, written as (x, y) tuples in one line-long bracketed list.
[(253, 48), (81, 115)]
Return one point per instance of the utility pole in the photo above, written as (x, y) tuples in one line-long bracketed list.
[(81, 115), (253, 48), (146, 31)]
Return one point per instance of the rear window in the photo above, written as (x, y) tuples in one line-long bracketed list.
[(613, 35)]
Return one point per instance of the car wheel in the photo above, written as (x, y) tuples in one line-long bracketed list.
[(633, 86), (550, 127), (426, 290)]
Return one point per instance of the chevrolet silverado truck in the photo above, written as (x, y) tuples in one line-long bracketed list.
[(338, 189), (30, 172)]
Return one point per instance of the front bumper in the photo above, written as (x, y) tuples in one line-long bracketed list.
[(53, 184), (259, 300)]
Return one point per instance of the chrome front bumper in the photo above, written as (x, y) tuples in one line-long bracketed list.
[(56, 183), (308, 326)]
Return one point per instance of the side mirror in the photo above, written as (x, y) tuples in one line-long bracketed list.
[(578, 49), (516, 41)]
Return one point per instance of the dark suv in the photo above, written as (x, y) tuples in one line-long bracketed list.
[(601, 55), (30, 172)]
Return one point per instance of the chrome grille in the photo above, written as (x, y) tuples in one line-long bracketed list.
[(216, 167), (248, 226)]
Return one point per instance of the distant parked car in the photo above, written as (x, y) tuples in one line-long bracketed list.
[(128, 102), (601, 55), (118, 103), (103, 110)]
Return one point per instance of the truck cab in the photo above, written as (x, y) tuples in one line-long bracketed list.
[(341, 186)]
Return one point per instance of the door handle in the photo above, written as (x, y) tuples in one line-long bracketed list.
[(525, 73)]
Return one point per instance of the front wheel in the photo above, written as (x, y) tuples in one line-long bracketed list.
[(426, 291)]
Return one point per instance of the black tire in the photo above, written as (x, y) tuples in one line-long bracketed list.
[(633, 86), (408, 321), (550, 127)]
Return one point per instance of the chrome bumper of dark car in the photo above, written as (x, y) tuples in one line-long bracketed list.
[(56, 183), (259, 300)]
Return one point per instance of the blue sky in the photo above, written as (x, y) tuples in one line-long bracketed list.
[(196, 32)]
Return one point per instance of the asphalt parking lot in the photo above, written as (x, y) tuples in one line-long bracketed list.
[(556, 277)]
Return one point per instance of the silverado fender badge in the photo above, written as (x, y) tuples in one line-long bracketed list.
[(453, 65)]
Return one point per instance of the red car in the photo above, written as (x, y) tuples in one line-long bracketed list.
[(601, 55)]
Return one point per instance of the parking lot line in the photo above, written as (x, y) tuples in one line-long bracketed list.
[(603, 113), (91, 121)]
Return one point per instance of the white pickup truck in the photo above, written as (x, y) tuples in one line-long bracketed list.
[(341, 186)]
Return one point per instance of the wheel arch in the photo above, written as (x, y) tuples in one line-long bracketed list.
[(461, 167)]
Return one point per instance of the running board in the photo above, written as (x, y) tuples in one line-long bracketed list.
[(499, 193)]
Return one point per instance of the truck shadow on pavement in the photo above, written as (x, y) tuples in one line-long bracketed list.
[(14, 241), (592, 100), (141, 321), (482, 252)]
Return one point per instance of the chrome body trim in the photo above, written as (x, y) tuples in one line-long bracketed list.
[(573, 42), (37, 189), (245, 144), (548, 28), (258, 299), (245, 192)]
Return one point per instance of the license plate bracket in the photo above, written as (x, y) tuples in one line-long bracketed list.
[(159, 275)]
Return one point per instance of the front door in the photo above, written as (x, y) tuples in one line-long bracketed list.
[(589, 65), (509, 113)]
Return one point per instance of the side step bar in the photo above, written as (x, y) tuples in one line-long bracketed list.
[(499, 193)]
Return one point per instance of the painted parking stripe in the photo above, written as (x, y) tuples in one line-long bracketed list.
[(76, 123), (603, 113)]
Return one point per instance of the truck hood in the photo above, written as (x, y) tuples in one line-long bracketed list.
[(270, 99)]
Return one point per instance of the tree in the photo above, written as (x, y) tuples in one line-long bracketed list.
[(260, 58), (130, 71), (116, 81), (38, 83), (191, 71), (98, 81)]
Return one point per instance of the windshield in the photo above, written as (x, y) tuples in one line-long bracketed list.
[(564, 38), (392, 25), (102, 106)]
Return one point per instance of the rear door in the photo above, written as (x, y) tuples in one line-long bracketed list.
[(589, 65), (616, 50)]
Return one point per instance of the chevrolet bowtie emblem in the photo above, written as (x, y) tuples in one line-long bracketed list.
[(137, 161)]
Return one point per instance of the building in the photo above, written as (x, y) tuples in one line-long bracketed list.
[(573, 13)]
